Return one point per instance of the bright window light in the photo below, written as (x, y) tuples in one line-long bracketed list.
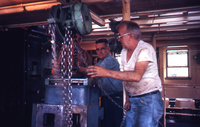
[(177, 63)]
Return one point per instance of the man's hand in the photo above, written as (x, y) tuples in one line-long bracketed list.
[(96, 71), (127, 105)]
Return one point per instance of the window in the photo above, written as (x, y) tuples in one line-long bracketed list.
[(177, 63)]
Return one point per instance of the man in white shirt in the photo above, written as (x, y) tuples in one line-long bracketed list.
[(140, 77)]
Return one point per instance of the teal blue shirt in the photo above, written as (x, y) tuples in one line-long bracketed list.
[(110, 85)]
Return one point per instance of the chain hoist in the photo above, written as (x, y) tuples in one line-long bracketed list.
[(52, 28), (80, 54), (64, 19), (67, 113), (68, 39), (67, 104)]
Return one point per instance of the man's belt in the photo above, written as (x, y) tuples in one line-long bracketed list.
[(154, 92)]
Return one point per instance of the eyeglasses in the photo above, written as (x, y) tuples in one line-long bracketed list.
[(101, 49), (119, 37)]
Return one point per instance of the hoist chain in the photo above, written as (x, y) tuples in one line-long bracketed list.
[(124, 117), (124, 110), (75, 57), (67, 104), (52, 28), (68, 38), (67, 113), (81, 55), (63, 73)]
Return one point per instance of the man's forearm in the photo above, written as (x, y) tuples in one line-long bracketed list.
[(98, 71), (123, 75)]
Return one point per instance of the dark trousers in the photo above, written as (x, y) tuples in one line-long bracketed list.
[(112, 113)]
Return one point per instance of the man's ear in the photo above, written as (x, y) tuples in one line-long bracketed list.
[(132, 36), (109, 48)]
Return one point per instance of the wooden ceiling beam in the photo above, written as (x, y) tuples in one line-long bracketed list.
[(171, 28), (96, 19), (164, 20), (161, 11), (150, 29)]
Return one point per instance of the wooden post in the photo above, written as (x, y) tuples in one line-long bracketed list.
[(126, 10), (154, 43), (126, 17)]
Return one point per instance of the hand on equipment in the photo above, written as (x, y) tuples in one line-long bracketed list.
[(96, 71)]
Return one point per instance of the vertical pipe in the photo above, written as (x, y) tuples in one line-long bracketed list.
[(126, 17)]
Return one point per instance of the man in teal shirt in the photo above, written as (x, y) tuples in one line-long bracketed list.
[(113, 87)]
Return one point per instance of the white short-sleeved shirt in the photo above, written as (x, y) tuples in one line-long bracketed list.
[(150, 81)]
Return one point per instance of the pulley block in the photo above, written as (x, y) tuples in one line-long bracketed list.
[(76, 16), (81, 18)]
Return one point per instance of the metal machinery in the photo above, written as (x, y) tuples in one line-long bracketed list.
[(85, 105), (68, 101)]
